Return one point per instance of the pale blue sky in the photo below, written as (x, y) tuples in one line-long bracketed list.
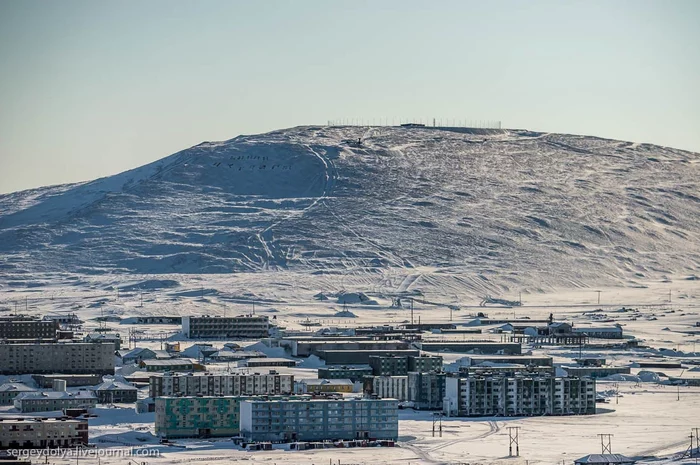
[(92, 88)]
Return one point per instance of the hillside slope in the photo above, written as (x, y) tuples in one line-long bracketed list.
[(488, 208)]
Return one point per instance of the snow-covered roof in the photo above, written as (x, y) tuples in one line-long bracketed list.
[(56, 395), (11, 387), (319, 382), (113, 385), (604, 459)]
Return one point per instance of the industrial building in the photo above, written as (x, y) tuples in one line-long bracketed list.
[(518, 396), (426, 390), (46, 381), (220, 385), (353, 373), (359, 357), (319, 420), (506, 348), (312, 346), (595, 372), (61, 357), (269, 362), (30, 402), (600, 332), (216, 327), (41, 433), (174, 364), (113, 391), (528, 360)]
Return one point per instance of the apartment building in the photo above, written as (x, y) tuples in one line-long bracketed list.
[(41, 433), (389, 365), (58, 357), (426, 390), (113, 391), (425, 363), (216, 327), (519, 395), (393, 387), (18, 327), (30, 402), (207, 416), (220, 385), (319, 420), (8, 392)]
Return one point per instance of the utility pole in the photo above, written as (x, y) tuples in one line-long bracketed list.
[(411, 310), (605, 443), (514, 438), (437, 418), (599, 296)]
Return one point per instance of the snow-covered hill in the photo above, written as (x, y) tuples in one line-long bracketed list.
[(483, 210)]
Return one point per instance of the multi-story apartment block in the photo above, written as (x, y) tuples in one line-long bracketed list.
[(215, 327), (393, 387), (426, 390), (30, 402), (353, 373), (518, 395), (19, 327), (425, 363), (319, 420), (400, 365), (60, 357), (8, 392), (389, 365), (183, 417), (40, 433), (220, 385)]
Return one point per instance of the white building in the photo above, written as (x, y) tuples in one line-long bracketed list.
[(393, 387)]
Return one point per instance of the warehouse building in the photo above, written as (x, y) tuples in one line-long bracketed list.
[(59, 357), (311, 346), (506, 348), (220, 385), (174, 364), (518, 396), (216, 327), (42, 433), (319, 420), (30, 402)]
